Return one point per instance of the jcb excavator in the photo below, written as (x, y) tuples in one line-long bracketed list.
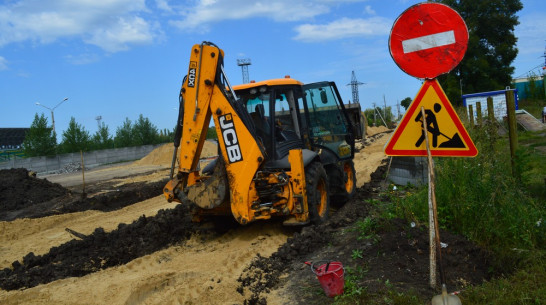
[(285, 148)]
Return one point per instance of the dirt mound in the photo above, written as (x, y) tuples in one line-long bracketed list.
[(19, 190), (398, 253), (118, 198), (372, 130), (163, 155), (101, 250)]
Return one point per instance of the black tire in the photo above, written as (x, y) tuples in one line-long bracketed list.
[(349, 180), (343, 186), (318, 195)]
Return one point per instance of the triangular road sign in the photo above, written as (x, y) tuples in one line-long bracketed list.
[(447, 135)]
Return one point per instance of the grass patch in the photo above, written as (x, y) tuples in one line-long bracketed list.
[(533, 106), (525, 286), (355, 293), (481, 199), (497, 206)]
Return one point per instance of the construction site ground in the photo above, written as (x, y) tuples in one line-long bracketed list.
[(123, 243)]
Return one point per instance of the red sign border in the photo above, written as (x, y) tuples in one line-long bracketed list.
[(472, 150)]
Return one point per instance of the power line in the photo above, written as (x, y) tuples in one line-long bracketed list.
[(354, 87)]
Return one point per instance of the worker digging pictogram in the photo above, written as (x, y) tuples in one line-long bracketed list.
[(433, 128)]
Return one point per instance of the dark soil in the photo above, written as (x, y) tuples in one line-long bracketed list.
[(397, 255), (19, 189), (24, 196), (101, 250)]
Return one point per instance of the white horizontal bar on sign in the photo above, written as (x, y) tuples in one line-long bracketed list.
[(428, 42)]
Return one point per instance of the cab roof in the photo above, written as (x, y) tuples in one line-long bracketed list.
[(269, 82)]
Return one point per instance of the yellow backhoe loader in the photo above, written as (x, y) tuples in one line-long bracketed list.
[(285, 149)]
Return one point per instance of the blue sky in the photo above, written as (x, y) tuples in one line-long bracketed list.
[(122, 58)]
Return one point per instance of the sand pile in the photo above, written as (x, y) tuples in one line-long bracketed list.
[(371, 130), (163, 155)]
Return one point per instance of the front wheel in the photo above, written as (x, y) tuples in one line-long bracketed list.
[(318, 197), (349, 179)]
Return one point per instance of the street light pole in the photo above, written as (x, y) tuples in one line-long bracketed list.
[(52, 109)]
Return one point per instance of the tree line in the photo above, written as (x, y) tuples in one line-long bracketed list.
[(41, 140)]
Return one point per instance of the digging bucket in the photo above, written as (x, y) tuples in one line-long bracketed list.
[(330, 276)]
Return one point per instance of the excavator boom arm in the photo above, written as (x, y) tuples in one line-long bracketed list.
[(205, 96)]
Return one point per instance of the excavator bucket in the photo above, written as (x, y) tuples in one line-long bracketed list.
[(212, 191)]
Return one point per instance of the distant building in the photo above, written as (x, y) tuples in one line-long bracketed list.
[(12, 138), (499, 103), (523, 85)]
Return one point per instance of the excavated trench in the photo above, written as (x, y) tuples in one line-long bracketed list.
[(101, 250), (404, 259), (24, 196), (399, 254)]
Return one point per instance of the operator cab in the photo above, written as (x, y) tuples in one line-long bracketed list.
[(289, 115), (273, 106)]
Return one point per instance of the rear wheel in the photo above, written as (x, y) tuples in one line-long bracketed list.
[(318, 197), (344, 186), (349, 177)]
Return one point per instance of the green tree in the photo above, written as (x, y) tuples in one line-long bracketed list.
[(75, 138), (124, 134), (40, 140), (102, 138), (165, 136), (211, 133), (380, 115), (534, 88), (491, 47), (144, 132), (406, 102)]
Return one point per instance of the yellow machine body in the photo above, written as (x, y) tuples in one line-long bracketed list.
[(205, 96)]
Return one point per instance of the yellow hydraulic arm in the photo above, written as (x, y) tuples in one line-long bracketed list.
[(206, 93)]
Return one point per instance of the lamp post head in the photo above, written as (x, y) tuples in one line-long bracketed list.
[(37, 103)]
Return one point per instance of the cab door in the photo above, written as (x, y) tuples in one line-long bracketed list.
[(328, 123)]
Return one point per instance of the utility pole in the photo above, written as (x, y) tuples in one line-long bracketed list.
[(385, 107), (244, 63), (374, 118), (397, 110), (52, 109)]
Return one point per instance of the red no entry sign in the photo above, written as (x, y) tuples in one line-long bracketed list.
[(428, 39)]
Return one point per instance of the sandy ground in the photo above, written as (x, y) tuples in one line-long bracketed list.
[(369, 158), (203, 270)]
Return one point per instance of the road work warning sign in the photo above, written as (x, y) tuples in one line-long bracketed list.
[(447, 135)]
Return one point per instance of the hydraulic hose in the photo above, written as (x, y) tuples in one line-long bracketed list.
[(179, 125)]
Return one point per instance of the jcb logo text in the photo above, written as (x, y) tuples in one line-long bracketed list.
[(230, 138)]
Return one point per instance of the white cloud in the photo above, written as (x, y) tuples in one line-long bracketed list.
[(206, 12), (369, 10), (110, 24), (125, 32), (82, 59), (163, 5), (3, 63), (343, 28)]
